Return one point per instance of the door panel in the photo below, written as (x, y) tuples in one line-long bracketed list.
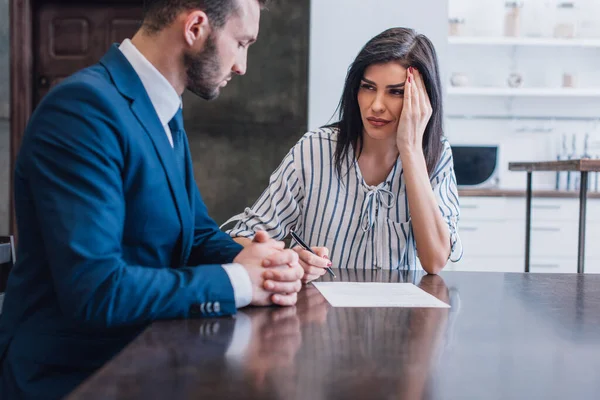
[(69, 37)]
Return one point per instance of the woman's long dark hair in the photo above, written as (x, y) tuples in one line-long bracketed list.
[(410, 49)]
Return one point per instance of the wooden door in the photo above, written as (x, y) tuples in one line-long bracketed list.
[(69, 37), (50, 40)]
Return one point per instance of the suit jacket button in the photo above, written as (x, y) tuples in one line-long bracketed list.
[(217, 307), (195, 309)]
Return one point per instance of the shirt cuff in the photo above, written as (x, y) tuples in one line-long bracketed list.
[(240, 281), (456, 249)]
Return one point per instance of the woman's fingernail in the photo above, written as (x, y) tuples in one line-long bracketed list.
[(409, 79), (329, 264), (269, 285), (410, 69), (325, 257)]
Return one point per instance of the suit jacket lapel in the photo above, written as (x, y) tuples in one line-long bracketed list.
[(128, 83)]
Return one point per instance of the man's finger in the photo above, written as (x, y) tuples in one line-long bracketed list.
[(261, 237), (284, 300), (283, 257), (282, 287), (284, 273)]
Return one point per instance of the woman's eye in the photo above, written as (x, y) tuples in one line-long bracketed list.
[(397, 92), (367, 86)]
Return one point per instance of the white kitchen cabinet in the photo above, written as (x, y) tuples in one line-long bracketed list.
[(554, 238), (487, 264), (492, 239), (492, 230), (553, 265), (498, 209), (492, 233)]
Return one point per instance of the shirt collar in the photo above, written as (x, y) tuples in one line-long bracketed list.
[(162, 94)]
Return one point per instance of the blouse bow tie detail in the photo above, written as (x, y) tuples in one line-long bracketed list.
[(375, 199)]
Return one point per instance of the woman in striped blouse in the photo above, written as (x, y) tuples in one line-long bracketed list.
[(371, 189)]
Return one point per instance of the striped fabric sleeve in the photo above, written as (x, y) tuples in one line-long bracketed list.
[(443, 182), (278, 208)]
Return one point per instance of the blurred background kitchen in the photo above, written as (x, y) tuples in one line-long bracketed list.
[(521, 83)]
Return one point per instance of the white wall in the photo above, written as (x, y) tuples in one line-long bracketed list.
[(339, 29)]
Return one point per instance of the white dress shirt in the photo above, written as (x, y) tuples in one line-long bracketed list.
[(166, 103)]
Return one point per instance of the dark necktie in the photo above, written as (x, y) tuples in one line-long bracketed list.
[(177, 133)]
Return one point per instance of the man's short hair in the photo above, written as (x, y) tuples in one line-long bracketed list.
[(160, 13)]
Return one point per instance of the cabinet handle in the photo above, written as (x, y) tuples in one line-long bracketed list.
[(468, 228), (546, 206), (545, 229), (545, 265)]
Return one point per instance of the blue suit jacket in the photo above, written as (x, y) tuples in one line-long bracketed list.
[(111, 237)]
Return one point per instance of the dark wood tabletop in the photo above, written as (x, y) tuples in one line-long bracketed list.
[(506, 336), (583, 164)]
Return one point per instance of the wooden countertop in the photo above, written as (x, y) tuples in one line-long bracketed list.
[(584, 164), (506, 336), (521, 193)]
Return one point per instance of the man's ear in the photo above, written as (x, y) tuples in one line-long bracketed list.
[(197, 28)]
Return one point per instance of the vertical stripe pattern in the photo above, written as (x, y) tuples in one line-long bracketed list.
[(305, 194)]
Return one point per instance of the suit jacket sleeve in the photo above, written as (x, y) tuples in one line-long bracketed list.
[(75, 166), (211, 245)]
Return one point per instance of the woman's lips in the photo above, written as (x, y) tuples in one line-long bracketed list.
[(378, 122)]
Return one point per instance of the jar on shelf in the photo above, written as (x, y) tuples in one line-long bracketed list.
[(566, 20), (512, 18), (569, 79), (456, 26)]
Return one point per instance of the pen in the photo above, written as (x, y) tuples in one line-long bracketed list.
[(305, 247)]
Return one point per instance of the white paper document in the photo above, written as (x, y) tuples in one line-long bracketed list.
[(359, 294)]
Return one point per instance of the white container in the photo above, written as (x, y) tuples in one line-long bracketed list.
[(456, 26), (566, 20), (512, 18)]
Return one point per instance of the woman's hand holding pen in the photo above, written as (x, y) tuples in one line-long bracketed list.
[(314, 266)]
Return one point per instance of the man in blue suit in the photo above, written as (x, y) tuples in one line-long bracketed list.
[(113, 233)]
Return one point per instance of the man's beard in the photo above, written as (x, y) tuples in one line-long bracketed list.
[(202, 71)]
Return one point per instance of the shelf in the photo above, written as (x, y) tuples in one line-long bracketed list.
[(523, 41), (523, 92)]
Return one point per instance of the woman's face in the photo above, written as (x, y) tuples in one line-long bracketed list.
[(380, 99)]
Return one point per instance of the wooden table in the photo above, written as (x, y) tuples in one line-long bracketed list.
[(583, 166), (507, 336)]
